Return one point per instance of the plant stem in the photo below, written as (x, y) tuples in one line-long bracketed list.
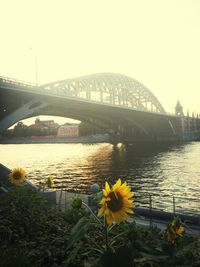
[(106, 232), (92, 212)]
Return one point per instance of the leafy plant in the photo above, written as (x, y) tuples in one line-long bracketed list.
[(34, 234), (74, 213), (31, 225), (16, 257)]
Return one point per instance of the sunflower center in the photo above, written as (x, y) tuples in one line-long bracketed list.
[(115, 203), (17, 175)]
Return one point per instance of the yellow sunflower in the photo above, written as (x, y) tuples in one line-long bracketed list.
[(180, 231), (175, 231), (117, 202), (50, 181), (17, 176)]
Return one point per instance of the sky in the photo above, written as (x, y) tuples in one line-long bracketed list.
[(157, 42)]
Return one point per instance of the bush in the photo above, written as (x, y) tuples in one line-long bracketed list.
[(73, 214), (15, 257), (29, 224)]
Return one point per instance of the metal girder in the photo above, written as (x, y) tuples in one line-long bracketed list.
[(114, 89)]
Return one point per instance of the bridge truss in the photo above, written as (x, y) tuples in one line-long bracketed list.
[(108, 88)]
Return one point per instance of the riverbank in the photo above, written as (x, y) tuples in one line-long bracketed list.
[(99, 138)]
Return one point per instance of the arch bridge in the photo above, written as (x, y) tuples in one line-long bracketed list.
[(121, 105)]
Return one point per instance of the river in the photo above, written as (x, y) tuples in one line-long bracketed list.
[(161, 172)]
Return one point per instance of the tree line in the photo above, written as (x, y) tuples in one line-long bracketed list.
[(22, 130)]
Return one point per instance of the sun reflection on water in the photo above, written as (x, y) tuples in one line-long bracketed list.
[(164, 173)]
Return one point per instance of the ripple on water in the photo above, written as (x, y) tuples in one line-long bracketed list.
[(164, 173)]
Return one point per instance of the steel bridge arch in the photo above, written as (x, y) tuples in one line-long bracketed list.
[(109, 88)]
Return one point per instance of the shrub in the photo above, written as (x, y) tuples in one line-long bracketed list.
[(29, 224)]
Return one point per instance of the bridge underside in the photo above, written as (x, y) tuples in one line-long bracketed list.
[(121, 122)]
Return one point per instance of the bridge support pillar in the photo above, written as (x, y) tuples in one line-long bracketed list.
[(25, 111)]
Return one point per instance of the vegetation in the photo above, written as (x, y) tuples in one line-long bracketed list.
[(90, 129), (22, 130), (31, 227), (34, 234)]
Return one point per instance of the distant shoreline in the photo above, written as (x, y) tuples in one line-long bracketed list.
[(54, 139)]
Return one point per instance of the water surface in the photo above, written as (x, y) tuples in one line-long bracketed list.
[(163, 173)]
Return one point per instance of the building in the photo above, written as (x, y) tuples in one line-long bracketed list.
[(179, 109), (46, 124), (68, 130)]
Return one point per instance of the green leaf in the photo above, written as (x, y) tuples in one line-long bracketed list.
[(78, 231)]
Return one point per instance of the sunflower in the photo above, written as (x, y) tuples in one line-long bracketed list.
[(50, 181), (117, 202), (180, 231), (175, 231), (17, 176)]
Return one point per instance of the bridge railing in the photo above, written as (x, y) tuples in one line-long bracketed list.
[(8, 80)]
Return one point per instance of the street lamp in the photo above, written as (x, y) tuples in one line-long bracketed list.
[(36, 65)]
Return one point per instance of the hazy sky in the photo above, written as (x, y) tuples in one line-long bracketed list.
[(154, 41)]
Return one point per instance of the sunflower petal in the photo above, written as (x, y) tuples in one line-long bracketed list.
[(109, 220), (101, 211), (107, 187), (105, 193), (103, 201), (117, 184)]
